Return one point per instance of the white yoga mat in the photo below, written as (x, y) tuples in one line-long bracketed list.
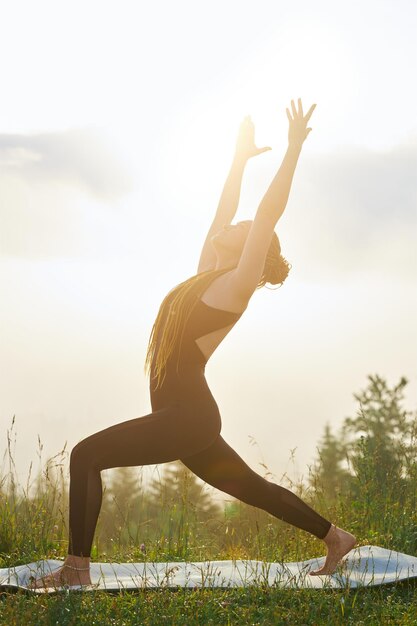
[(364, 566)]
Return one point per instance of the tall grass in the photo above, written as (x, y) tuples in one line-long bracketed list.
[(173, 518), (33, 517)]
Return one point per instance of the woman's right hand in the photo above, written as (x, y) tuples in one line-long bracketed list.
[(245, 145), (298, 131)]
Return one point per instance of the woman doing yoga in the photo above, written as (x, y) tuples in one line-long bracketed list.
[(185, 422)]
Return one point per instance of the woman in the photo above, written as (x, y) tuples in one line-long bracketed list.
[(185, 422)]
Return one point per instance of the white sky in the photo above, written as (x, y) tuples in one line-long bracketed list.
[(117, 128)]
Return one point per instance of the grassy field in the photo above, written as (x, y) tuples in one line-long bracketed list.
[(175, 519), (384, 606), (33, 532)]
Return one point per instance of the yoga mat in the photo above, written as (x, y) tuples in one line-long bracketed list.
[(364, 566)]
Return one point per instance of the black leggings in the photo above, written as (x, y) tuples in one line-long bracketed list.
[(167, 435)]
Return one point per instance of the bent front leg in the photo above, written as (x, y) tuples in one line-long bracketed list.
[(160, 437)]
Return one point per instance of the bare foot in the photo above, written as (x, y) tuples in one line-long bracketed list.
[(339, 542), (75, 571)]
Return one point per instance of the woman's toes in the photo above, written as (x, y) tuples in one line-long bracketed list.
[(338, 546)]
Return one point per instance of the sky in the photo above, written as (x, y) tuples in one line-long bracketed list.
[(117, 129)]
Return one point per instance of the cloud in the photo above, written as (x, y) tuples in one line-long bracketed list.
[(77, 157), (377, 186), (356, 209), (53, 190)]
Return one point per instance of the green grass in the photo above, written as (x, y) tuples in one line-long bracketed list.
[(177, 520), (396, 605)]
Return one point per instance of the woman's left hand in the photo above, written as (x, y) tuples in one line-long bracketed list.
[(298, 131), (245, 145)]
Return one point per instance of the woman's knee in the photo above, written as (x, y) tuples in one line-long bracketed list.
[(82, 455)]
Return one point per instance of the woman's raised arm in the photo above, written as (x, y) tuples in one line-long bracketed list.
[(229, 199), (252, 260)]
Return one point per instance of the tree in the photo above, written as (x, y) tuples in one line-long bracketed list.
[(181, 508), (380, 445), (179, 485), (381, 423), (383, 457), (123, 508), (328, 477)]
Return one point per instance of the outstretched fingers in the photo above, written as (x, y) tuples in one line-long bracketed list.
[(309, 112), (245, 146), (294, 110), (298, 131), (300, 112)]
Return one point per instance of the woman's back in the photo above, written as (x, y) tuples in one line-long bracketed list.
[(187, 329), (197, 335)]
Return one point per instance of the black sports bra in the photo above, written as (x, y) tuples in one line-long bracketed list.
[(205, 319), (221, 310)]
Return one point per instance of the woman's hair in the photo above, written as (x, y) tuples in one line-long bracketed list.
[(276, 267), (168, 329)]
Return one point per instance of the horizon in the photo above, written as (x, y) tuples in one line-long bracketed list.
[(113, 159)]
